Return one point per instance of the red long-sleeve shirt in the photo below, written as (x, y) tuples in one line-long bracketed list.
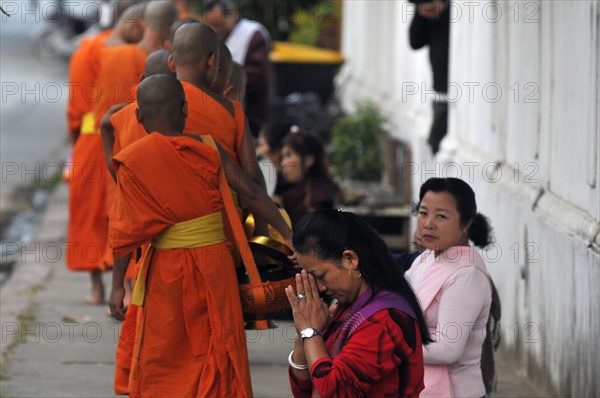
[(382, 358)]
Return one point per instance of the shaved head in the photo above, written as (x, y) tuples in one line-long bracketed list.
[(194, 42), (160, 15), (179, 23), (122, 5), (157, 64), (133, 13), (129, 26), (160, 101)]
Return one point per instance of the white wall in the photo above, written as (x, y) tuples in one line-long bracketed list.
[(527, 138)]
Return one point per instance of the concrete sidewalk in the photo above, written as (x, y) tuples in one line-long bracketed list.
[(54, 345)]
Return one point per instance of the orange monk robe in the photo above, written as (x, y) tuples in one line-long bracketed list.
[(120, 70), (90, 192), (190, 339), (207, 116), (87, 228), (124, 352), (83, 70), (185, 15), (88, 224), (126, 131)]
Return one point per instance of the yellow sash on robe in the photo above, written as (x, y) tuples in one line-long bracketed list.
[(197, 232), (88, 124)]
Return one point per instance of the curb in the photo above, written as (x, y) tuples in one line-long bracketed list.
[(30, 271)]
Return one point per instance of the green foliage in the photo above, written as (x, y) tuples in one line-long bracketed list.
[(307, 23), (355, 142)]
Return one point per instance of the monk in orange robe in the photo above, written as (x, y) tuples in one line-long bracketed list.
[(120, 72), (196, 58), (122, 65), (176, 25), (87, 228), (119, 126), (190, 339), (85, 63), (83, 69)]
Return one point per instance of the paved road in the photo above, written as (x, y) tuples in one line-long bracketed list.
[(32, 106)]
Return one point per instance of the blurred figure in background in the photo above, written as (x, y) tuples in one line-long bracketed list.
[(304, 182), (249, 43), (185, 8), (431, 27), (88, 223)]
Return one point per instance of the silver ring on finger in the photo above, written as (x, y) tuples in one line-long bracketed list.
[(300, 297)]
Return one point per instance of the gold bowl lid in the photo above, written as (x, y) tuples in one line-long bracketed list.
[(270, 248)]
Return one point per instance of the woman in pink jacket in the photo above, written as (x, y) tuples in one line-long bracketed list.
[(453, 287)]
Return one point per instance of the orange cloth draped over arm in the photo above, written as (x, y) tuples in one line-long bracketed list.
[(190, 338), (240, 123), (127, 130)]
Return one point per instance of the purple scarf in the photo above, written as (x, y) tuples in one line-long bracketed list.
[(367, 305)]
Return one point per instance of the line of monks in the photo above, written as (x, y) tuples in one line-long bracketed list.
[(142, 172)]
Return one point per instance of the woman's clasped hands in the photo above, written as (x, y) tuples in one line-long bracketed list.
[(308, 309)]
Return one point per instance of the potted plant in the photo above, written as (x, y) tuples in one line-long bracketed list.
[(356, 144)]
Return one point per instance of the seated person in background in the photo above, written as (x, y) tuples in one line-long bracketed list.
[(304, 183)]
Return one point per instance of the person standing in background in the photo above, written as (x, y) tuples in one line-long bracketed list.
[(249, 43), (87, 228), (431, 27)]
